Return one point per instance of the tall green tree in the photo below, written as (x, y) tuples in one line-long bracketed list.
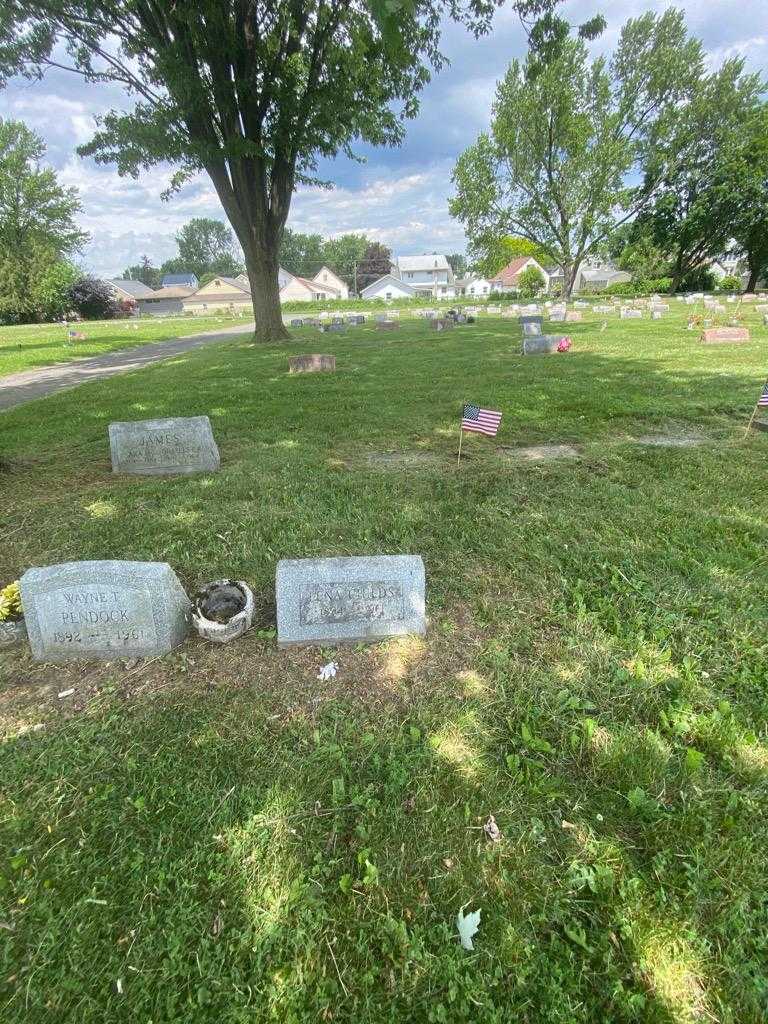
[(743, 179), (252, 92), (344, 255), (696, 199), (376, 262), (301, 254), (144, 271), (207, 246), (567, 135), (492, 254), (38, 230)]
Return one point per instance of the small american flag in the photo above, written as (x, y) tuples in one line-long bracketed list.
[(763, 399), (482, 421)]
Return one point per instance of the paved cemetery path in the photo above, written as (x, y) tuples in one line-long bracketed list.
[(28, 385)]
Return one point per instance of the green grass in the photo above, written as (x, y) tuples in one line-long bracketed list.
[(233, 841), (34, 345)]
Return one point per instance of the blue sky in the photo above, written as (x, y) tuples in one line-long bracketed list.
[(398, 196)]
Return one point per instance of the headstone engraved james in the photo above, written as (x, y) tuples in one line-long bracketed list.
[(161, 447), (332, 600), (104, 610)]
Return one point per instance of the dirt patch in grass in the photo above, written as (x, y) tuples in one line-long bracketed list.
[(404, 460), (539, 452), (672, 440)]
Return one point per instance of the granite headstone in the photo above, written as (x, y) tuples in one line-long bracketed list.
[(312, 363), (104, 610), (338, 600), (163, 447)]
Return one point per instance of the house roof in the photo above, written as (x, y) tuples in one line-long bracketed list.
[(135, 288), (430, 261), (235, 282), (394, 280), (185, 280), (510, 273), (171, 292), (316, 286)]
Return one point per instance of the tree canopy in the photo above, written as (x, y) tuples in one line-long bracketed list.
[(38, 232), (253, 93), (567, 135), (207, 246)]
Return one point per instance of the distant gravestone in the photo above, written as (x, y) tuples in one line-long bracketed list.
[(337, 600), (631, 314), (721, 335), (441, 323), (532, 324), (356, 318), (313, 363), (573, 316), (296, 322), (104, 610), (334, 327), (164, 447), (387, 325), (581, 305), (557, 316), (656, 314)]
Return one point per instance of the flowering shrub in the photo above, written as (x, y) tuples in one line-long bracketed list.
[(10, 603)]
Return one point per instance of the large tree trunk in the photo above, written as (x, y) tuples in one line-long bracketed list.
[(754, 273), (569, 279), (262, 268), (677, 273)]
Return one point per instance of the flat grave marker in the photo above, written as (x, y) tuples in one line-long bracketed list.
[(341, 600), (723, 335), (104, 610), (164, 447), (312, 363)]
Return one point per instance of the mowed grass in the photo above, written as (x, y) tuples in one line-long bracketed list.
[(217, 836), (33, 345)]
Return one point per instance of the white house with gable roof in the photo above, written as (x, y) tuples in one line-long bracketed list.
[(429, 275)]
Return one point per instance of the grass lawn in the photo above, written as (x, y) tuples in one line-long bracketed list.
[(33, 345), (217, 836)]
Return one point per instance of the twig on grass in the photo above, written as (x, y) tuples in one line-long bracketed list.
[(338, 972), (314, 813)]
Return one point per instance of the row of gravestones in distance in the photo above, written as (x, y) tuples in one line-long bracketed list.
[(107, 610)]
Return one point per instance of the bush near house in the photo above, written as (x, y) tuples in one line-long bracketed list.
[(730, 283), (93, 299)]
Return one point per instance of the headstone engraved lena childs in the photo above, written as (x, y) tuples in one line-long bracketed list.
[(104, 610), (163, 447), (338, 600)]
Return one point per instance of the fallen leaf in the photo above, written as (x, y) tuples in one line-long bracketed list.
[(467, 926), (448, 862)]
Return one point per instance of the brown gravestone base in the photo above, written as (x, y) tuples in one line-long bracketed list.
[(314, 363), (723, 335)]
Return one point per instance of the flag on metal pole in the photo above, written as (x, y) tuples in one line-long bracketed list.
[(480, 421)]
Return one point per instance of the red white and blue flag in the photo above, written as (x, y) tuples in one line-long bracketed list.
[(481, 421), (763, 399)]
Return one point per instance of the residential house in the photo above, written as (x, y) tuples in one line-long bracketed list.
[(388, 287), (508, 279), (129, 291), (324, 285), (474, 287), (233, 294), (429, 276), (222, 294), (598, 277), (164, 301), (180, 281)]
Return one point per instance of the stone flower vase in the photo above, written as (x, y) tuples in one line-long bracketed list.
[(14, 632), (223, 610)]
